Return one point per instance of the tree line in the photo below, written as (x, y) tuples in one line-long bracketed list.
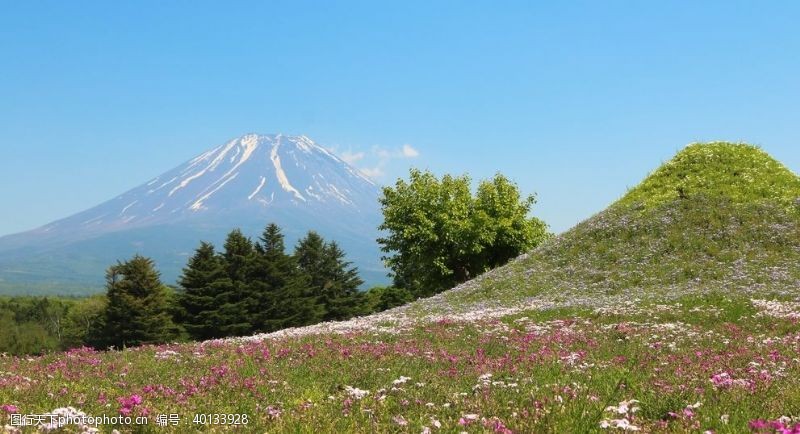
[(437, 234), (248, 287)]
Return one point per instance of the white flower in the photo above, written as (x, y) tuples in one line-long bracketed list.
[(401, 380), (355, 392)]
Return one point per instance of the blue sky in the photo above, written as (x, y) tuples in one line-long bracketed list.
[(576, 102)]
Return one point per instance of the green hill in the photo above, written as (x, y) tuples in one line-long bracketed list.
[(718, 216)]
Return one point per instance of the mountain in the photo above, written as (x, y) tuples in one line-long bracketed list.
[(718, 216), (246, 182)]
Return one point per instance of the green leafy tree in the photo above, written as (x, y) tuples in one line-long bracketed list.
[(380, 298), (439, 234), (85, 322), (138, 309), (197, 300)]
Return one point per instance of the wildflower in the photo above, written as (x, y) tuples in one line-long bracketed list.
[(623, 424), (624, 407), (401, 380), (273, 412), (400, 420), (355, 392), (467, 419), (9, 408)]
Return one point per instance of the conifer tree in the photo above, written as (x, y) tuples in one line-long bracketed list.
[(340, 293), (279, 288), (331, 277), (200, 282), (137, 310), (233, 293)]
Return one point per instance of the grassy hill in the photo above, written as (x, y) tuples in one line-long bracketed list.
[(677, 309), (718, 216)]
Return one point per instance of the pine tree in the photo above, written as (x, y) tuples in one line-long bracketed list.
[(233, 292), (340, 291), (281, 290), (200, 282), (331, 277), (137, 310)]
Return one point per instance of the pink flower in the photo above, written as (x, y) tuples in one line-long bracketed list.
[(467, 419), (723, 379), (9, 408), (400, 420)]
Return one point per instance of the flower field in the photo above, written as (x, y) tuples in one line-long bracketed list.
[(703, 362)]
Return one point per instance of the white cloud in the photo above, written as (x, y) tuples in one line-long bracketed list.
[(373, 172), (409, 151), (352, 157), (374, 163)]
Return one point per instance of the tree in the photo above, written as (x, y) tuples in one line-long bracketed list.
[(380, 298), (280, 291), (198, 299), (85, 322), (340, 294), (331, 277), (138, 311), (500, 204), (440, 235), (233, 296)]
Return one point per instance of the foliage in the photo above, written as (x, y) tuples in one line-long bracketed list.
[(283, 295), (440, 234), (381, 298), (332, 278), (198, 300), (138, 310)]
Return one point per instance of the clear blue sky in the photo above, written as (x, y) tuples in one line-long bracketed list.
[(576, 102)]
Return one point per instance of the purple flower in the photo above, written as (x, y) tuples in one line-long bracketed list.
[(9, 408)]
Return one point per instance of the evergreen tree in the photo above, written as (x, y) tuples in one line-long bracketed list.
[(233, 292), (279, 289), (198, 299), (341, 297), (137, 311), (331, 278)]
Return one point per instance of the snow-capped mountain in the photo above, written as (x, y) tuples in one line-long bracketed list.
[(246, 182)]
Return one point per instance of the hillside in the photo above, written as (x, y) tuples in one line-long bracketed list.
[(718, 216), (677, 309)]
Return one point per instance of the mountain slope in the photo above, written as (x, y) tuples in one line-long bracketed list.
[(246, 182)]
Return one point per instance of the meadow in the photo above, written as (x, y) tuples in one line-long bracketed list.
[(697, 363)]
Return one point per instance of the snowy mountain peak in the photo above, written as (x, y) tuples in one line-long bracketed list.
[(246, 182), (254, 172)]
